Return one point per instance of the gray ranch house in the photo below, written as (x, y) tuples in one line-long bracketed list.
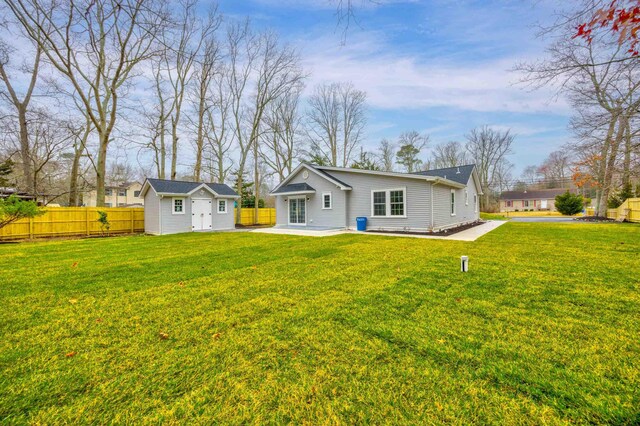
[(172, 206), (321, 197)]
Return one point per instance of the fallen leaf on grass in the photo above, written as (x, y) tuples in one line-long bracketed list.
[(99, 320), (75, 265), (163, 336), (73, 301), (70, 354), (217, 336), (254, 267), (181, 284)]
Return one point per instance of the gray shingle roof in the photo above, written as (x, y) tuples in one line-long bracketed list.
[(181, 187), (293, 187), (459, 174), (322, 172)]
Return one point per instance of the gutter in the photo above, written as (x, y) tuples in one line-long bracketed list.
[(432, 219)]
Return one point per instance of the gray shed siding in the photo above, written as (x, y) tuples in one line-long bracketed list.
[(175, 223), (222, 221), (417, 203), (151, 213), (316, 215)]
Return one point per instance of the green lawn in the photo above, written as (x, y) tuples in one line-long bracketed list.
[(493, 216), (256, 328)]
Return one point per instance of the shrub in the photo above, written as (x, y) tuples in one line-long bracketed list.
[(569, 204), (13, 208), (104, 222)]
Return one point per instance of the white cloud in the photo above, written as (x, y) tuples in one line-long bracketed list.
[(397, 81)]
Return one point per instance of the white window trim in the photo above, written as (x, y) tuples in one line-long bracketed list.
[(299, 197), (475, 203), (226, 204), (388, 203), (452, 202), (173, 205), (330, 201)]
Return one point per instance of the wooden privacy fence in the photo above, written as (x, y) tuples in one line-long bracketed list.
[(74, 221), (629, 210), (266, 216)]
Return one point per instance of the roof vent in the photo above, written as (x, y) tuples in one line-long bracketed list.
[(445, 176), (458, 171)]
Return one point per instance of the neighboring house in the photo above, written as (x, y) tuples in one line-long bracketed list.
[(125, 195), (172, 206), (333, 197), (533, 200), (6, 192)]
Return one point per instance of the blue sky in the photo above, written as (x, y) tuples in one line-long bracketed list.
[(440, 67)]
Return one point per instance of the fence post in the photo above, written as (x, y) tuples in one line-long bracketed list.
[(86, 223), (30, 228), (131, 210)]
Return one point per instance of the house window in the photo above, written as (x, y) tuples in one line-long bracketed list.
[(136, 194), (396, 199), (327, 202), (107, 204), (388, 203), (122, 193), (525, 203), (108, 192), (178, 205), (475, 203), (379, 203), (466, 197), (453, 202), (222, 206), (509, 203)]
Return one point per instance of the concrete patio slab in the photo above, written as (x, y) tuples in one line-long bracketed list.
[(470, 234)]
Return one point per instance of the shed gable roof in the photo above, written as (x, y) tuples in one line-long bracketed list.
[(164, 186)]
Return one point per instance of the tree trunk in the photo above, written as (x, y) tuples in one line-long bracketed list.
[(256, 184), (101, 168), (174, 147), (200, 139), (25, 150), (610, 163), (601, 196), (163, 149), (239, 191)]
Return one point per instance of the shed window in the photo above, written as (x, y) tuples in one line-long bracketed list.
[(388, 203), (178, 206), (453, 202), (222, 206), (327, 202)]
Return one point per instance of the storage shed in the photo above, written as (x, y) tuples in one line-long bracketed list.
[(172, 206)]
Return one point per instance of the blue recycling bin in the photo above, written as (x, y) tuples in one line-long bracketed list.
[(361, 223)]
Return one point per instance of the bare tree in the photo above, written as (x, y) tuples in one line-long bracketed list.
[(260, 71), (488, 148), (21, 104), (556, 169), (97, 46), (387, 155), (449, 154), (336, 116), (280, 141), (530, 175)]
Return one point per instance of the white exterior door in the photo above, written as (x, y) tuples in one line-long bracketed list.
[(201, 215), (543, 204), (297, 211)]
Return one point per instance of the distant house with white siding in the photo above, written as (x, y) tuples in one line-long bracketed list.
[(321, 197), (124, 195)]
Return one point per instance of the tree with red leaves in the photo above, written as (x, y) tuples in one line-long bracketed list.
[(621, 17)]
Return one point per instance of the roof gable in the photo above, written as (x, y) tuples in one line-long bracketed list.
[(175, 187), (460, 174), (342, 185)]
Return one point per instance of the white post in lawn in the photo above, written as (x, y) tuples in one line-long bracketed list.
[(464, 263)]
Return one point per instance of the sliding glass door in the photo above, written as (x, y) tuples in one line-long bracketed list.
[(297, 211)]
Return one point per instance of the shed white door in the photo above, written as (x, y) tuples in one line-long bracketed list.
[(201, 215)]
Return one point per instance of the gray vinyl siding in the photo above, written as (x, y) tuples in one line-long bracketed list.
[(417, 202), (316, 215), (222, 221), (151, 210), (442, 206), (175, 223)]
